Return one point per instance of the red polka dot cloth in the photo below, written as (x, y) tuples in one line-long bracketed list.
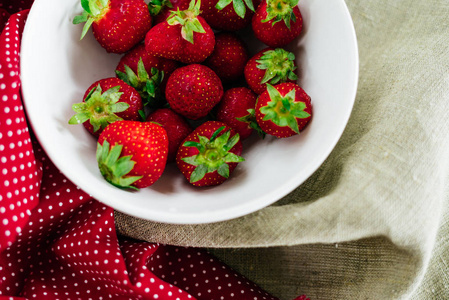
[(56, 242)]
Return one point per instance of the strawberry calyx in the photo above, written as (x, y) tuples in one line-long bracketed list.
[(278, 10), (188, 20), (283, 110), (94, 10), (213, 154), (250, 119), (279, 66), (238, 5), (115, 168), (147, 86), (99, 108), (155, 6)]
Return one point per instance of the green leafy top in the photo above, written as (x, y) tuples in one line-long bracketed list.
[(99, 108), (188, 20), (283, 110), (279, 66), (250, 119), (94, 10), (148, 87), (115, 168), (238, 5), (278, 10), (213, 154), (155, 6)]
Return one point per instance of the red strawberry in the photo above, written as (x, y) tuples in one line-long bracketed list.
[(270, 66), (229, 15), (277, 22), (148, 74), (132, 154), (184, 37), (4, 16), (193, 90), (283, 110), (176, 127), (236, 109), (160, 10), (101, 105), (229, 57), (209, 154), (118, 25)]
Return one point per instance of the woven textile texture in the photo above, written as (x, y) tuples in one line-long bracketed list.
[(372, 222)]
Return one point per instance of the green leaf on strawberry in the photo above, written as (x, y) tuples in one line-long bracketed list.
[(93, 11), (283, 110), (213, 154), (238, 5), (115, 168), (99, 108), (250, 118), (279, 66), (188, 20), (146, 85), (155, 6), (278, 10)]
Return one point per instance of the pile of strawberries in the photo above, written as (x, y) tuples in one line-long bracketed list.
[(186, 88)]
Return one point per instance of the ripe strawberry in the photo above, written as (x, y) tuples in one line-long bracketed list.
[(118, 25), (221, 15), (209, 154), (283, 110), (160, 10), (4, 16), (176, 127), (270, 66), (229, 57), (193, 90), (277, 22), (132, 154), (184, 36), (101, 105), (236, 109), (148, 74)]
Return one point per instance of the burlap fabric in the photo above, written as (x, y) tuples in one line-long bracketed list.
[(372, 222)]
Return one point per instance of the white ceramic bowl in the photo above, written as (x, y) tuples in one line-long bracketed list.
[(57, 68)]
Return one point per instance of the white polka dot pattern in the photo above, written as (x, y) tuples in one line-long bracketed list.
[(56, 242), (19, 172)]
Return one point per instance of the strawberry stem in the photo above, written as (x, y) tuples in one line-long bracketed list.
[(278, 10), (94, 10), (99, 108), (283, 110), (188, 20), (213, 154), (115, 168), (279, 66)]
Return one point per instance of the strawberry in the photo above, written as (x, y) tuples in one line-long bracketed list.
[(4, 16), (277, 22), (176, 127), (148, 74), (236, 109), (118, 25), (283, 110), (209, 154), (184, 36), (270, 66), (101, 105), (160, 10), (229, 57), (132, 154), (221, 15), (193, 90)]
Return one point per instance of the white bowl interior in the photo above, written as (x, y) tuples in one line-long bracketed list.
[(57, 68)]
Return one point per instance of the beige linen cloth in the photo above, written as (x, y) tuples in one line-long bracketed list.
[(372, 222)]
